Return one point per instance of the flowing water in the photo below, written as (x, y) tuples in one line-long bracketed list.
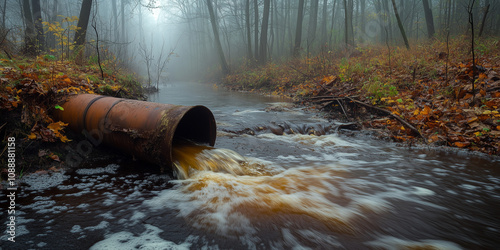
[(318, 189)]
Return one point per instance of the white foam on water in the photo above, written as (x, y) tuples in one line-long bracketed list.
[(468, 187), (137, 216), (110, 199), (290, 240), (110, 169), (101, 225), (39, 182), (248, 111), (423, 191), (76, 229), (149, 239), (317, 142), (107, 215), (393, 243), (320, 239)]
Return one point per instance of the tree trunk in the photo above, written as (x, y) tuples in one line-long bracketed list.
[(349, 34), (256, 31), (115, 19), (29, 32), (313, 22), (484, 20), (263, 33), (388, 21), (81, 32), (401, 28), (141, 29), (363, 17), (429, 19), (3, 14), (333, 22), (37, 19), (298, 29), (247, 24), (222, 58), (324, 16)]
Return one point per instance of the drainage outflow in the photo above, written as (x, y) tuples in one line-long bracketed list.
[(145, 130)]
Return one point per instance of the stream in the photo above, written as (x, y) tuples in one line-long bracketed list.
[(308, 188)]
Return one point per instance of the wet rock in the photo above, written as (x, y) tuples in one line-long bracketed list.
[(277, 130), (350, 126)]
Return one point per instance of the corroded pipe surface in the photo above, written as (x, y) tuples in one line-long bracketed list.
[(146, 130)]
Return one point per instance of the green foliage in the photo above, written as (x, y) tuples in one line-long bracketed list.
[(376, 89), (49, 57)]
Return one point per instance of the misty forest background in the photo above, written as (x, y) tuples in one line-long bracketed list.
[(198, 38), (413, 70)]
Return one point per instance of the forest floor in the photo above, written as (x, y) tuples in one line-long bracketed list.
[(30, 89), (422, 95)]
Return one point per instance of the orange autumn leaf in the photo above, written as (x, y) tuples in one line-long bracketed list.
[(54, 157), (461, 144), (433, 138), (32, 136), (426, 110), (56, 126), (64, 139)]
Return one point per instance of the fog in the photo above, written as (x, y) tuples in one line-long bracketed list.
[(174, 39)]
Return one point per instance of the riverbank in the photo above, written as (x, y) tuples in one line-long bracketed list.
[(31, 89), (423, 95)]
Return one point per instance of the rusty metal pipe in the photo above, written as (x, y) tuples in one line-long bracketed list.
[(145, 130)]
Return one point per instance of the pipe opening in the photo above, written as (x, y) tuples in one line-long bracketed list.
[(197, 125)]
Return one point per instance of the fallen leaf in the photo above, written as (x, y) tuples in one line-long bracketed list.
[(42, 153), (32, 136), (461, 144), (426, 110), (54, 157), (54, 169)]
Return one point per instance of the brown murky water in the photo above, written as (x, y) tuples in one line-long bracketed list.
[(265, 191)]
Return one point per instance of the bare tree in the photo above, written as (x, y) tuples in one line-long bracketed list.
[(147, 57), (349, 30), (470, 11), (37, 19), (29, 32), (247, 25), (256, 30), (400, 24), (81, 32), (161, 63), (222, 58), (313, 22), (429, 19), (484, 19), (298, 29), (263, 33)]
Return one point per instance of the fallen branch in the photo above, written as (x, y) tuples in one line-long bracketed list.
[(389, 113), (329, 100)]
